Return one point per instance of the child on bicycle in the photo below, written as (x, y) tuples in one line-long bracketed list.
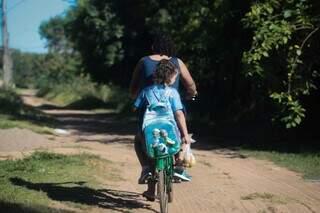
[(164, 76)]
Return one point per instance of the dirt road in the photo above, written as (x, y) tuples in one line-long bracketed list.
[(223, 181)]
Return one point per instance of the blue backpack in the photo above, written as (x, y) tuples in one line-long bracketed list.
[(160, 129)]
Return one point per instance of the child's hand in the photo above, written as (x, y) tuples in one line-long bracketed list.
[(186, 139)]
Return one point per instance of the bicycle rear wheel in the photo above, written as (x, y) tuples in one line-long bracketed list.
[(163, 193), (170, 193)]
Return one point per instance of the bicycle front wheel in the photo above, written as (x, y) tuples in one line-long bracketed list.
[(162, 190)]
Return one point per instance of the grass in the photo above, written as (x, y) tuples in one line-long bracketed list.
[(274, 199), (40, 180), (306, 163), (8, 122), (14, 113), (267, 197)]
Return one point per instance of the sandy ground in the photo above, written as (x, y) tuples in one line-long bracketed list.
[(223, 181)]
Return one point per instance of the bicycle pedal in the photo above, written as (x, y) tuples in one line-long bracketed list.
[(145, 181)]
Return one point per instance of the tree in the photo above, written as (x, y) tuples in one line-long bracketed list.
[(53, 31), (284, 53), (63, 62), (7, 63), (94, 28)]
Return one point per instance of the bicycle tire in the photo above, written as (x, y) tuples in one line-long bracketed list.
[(170, 193), (163, 194)]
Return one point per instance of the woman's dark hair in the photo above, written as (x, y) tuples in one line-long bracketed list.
[(163, 45), (164, 71)]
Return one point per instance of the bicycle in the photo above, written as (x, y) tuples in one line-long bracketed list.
[(162, 175), (162, 140)]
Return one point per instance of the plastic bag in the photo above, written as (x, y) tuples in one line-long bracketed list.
[(189, 159)]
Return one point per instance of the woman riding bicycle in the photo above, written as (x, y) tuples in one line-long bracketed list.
[(160, 94), (162, 48)]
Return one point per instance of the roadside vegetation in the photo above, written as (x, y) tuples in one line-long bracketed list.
[(14, 113), (82, 93), (306, 163), (41, 179)]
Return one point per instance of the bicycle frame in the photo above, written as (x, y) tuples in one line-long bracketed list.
[(164, 176), (159, 133), (165, 163)]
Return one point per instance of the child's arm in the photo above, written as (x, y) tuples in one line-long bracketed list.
[(177, 108), (182, 124), (139, 101)]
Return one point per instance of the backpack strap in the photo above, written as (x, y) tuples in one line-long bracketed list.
[(166, 96), (154, 94), (162, 99)]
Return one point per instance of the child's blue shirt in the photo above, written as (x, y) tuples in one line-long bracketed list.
[(159, 95), (156, 93)]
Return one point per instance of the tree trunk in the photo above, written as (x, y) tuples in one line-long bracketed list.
[(7, 64)]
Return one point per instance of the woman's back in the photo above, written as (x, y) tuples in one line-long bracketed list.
[(148, 67)]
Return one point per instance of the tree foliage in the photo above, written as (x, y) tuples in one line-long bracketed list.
[(111, 36), (284, 53), (26, 68), (53, 30), (251, 59), (93, 28), (63, 61)]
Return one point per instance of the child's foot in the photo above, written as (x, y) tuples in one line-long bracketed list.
[(182, 174), (145, 174)]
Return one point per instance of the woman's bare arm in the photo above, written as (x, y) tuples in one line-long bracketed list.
[(187, 80), (135, 81), (182, 124)]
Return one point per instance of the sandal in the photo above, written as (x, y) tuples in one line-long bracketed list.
[(149, 196)]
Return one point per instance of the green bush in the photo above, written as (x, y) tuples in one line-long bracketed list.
[(10, 102), (14, 113), (82, 93)]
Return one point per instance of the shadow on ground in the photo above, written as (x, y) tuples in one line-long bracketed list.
[(122, 140), (116, 200), (87, 103), (252, 136), (88, 122)]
